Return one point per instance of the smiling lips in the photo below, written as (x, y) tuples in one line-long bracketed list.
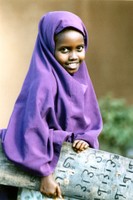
[(72, 66)]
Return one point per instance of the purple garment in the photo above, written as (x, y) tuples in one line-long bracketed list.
[(53, 106)]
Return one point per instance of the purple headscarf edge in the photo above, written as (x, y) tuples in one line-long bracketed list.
[(53, 106)]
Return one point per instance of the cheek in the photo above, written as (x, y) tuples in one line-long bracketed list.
[(56, 55), (61, 58), (82, 56)]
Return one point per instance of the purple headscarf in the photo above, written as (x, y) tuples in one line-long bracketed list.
[(53, 106)]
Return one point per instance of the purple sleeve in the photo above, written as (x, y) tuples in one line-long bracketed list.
[(29, 142)]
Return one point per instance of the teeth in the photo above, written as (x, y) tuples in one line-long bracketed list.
[(73, 65)]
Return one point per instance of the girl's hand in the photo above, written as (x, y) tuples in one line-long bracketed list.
[(49, 187), (80, 145)]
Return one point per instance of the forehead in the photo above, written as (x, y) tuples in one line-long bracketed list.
[(68, 36)]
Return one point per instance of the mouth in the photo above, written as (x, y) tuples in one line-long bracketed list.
[(72, 66)]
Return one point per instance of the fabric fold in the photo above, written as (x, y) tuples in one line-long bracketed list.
[(52, 106)]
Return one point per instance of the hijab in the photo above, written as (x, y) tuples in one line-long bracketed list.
[(52, 106)]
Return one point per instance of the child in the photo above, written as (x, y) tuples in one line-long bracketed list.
[(57, 102)]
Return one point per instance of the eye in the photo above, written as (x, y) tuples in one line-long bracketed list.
[(80, 48), (64, 50)]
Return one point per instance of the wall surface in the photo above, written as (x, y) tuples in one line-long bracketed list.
[(109, 57)]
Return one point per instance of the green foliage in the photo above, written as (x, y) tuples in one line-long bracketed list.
[(117, 134)]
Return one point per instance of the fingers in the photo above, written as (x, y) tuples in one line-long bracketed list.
[(80, 145), (53, 193), (58, 192), (50, 187)]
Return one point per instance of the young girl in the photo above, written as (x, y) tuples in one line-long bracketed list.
[(57, 102)]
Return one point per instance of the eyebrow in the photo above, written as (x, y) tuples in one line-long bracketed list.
[(67, 46)]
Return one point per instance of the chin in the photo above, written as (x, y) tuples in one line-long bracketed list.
[(73, 71)]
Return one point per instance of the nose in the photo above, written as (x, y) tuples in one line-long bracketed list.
[(73, 55)]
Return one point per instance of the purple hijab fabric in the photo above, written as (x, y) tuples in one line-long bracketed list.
[(53, 106)]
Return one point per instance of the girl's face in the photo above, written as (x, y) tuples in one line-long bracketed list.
[(70, 49)]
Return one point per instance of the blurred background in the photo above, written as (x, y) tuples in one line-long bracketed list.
[(109, 58)]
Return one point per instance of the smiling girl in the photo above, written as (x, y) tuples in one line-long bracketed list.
[(57, 102), (70, 49)]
